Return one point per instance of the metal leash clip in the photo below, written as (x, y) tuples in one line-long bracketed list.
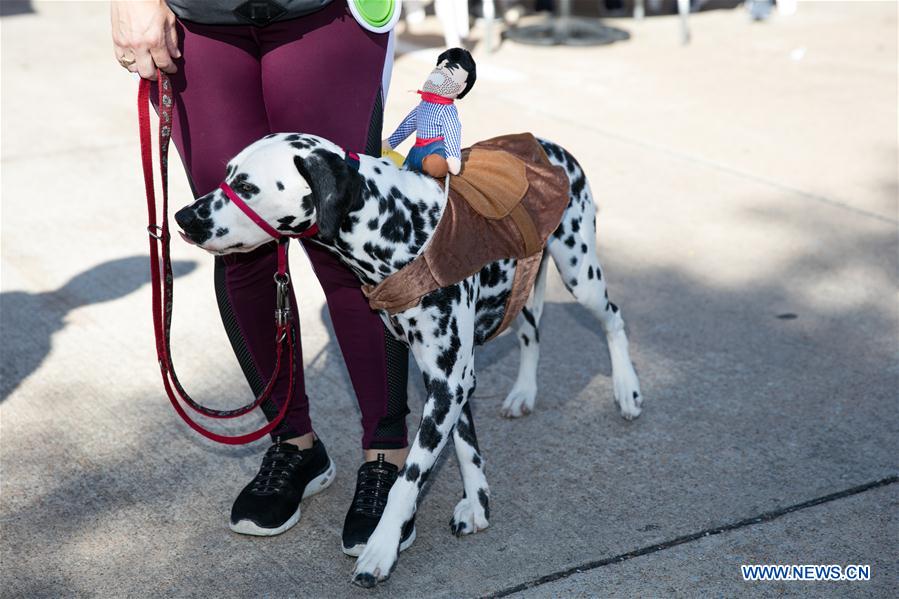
[(282, 300), (151, 229)]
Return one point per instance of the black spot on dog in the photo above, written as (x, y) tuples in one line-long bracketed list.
[(560, 230), (433, 216), (280, 185), (492, 275), (366, 266), (614, 307), (377, 170), (221, 231), (526, 340), (396, 228), (373, 224), (583, 248), (447, 358), (572, 282), (485, 502), (412, 473), (476, 460), (217, 205), (444, 300), (573, 260), (384, 254), (569, 241), (590, 272), (577, 186), (370, 190), (575, 225), (529, 316), (440, 392), (428, 434), (465, 429), (424, 478)]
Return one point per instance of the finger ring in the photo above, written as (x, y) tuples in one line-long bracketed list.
[(126, 62)]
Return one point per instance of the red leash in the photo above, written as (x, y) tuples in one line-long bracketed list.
[(162, 279)]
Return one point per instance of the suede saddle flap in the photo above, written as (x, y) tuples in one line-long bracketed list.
[(493, 182), (507, 203)]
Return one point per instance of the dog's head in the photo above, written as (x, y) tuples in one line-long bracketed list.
[(291, 181)]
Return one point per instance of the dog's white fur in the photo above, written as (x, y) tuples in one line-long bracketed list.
[(376, 224)]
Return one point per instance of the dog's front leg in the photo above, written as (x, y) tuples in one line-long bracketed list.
[(444, 352)]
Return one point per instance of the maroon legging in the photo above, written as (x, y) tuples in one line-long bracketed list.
[(318, 74)]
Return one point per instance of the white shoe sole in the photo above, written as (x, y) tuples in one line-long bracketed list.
[(316, 485), (356, 550)]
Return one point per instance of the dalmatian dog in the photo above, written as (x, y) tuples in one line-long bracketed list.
[(376, 218)]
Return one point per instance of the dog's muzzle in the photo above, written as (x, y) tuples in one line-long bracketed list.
[(193, 229)]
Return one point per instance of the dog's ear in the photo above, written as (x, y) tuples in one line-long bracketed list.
[(336, 189)]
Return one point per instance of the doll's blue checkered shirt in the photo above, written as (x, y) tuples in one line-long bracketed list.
[(432, 120)]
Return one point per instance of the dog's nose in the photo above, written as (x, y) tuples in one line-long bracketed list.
[(196, 230), (185, 217)]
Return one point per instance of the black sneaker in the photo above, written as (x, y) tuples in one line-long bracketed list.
[(372, 487), (270, 504)]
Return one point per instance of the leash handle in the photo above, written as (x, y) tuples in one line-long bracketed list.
[(162, 281)]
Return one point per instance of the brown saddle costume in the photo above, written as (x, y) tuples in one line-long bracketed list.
[(505, 203)]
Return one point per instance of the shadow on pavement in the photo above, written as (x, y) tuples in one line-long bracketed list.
[(38, 316), (10, 8)]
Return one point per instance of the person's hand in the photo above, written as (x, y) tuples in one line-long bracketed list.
[(454, 164), (144, 36), (385, 145)]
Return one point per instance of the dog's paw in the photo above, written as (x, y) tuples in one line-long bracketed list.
[(627, 394), (519, 402), (376, 563), (469, 517)]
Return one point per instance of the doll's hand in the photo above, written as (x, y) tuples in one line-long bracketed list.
[(454, 164)]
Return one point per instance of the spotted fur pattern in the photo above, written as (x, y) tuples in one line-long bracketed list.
[(377, 221)]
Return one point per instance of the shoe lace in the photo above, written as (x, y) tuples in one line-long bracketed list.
[(372, 488), (277, 467)]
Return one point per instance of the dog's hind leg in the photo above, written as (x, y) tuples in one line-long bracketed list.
[(573, 248), (473, 510), (520, 400)]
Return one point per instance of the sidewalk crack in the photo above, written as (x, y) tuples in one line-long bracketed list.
[(708, 532)]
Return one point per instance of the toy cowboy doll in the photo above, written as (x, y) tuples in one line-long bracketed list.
[(439, 133)]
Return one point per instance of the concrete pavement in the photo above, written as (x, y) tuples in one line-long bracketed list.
[(747, 187)]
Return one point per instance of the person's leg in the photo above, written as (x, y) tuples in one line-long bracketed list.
[(215, 118), (219, 111), (322, 75)]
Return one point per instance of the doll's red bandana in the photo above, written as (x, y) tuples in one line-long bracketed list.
[(434, 98)]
